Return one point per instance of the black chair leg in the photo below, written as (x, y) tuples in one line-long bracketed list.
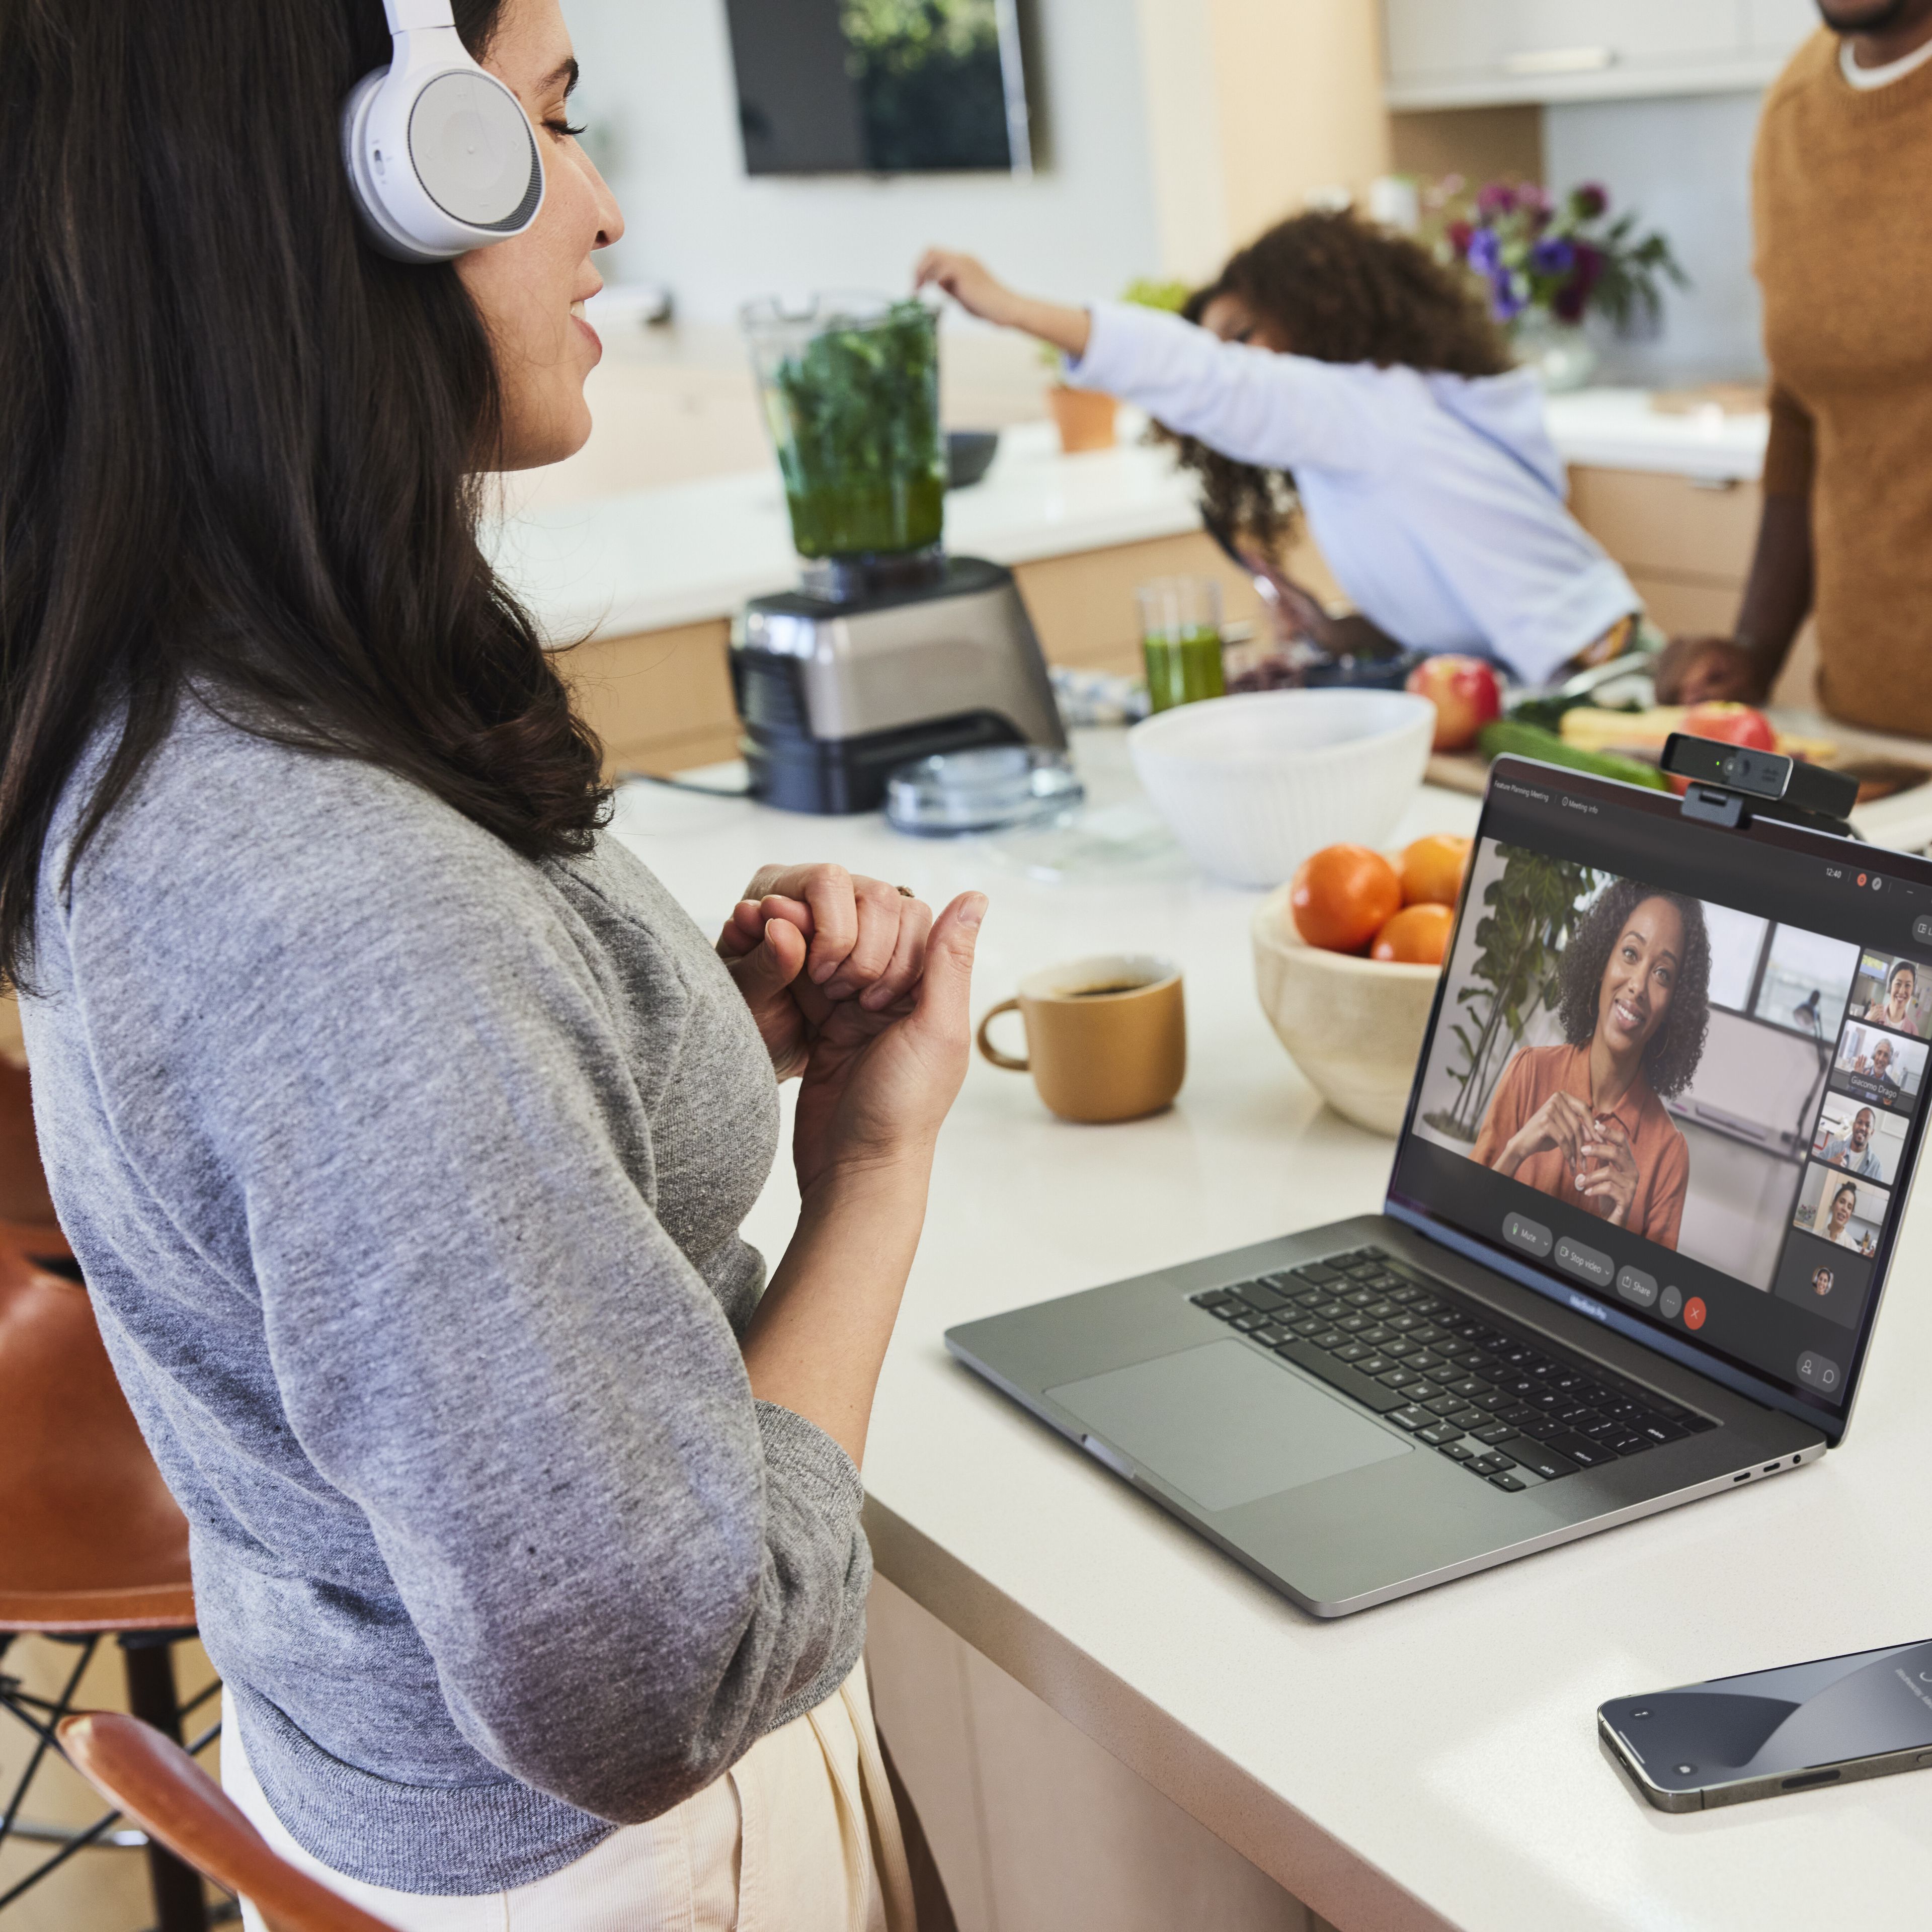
[(180, 1905)]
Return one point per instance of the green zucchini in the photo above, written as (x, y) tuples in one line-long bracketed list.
[(1507, 737)]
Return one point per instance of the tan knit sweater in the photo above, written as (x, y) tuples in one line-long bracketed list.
[(1844, 256)]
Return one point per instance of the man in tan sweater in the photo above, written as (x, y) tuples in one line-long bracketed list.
[(1844, 257)]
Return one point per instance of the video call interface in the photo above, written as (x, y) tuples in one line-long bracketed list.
[(1681, 1069)]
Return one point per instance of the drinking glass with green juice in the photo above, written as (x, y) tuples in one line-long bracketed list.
[(1181, 638)]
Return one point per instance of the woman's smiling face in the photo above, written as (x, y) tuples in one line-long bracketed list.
[(1842, 1204), (1639, 976)]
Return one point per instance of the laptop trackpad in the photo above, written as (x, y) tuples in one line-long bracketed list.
[(1224, 1426)]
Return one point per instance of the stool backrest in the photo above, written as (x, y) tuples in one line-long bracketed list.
[(172, 1798)]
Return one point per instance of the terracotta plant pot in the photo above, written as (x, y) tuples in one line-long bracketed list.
[(1085, 418)]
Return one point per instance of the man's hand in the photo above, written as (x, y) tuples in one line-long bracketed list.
[(1707, 670)]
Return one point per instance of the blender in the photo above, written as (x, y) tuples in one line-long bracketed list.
[(889, 650)]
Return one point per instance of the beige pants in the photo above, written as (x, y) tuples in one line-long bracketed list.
[(800, 1835)]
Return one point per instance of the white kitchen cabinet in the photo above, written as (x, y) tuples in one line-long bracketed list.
[(1455, 53)]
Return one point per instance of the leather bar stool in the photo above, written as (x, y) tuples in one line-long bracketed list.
[(152, 1780), (91, 1544)]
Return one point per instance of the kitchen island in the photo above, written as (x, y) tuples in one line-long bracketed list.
[(1430, 1763)]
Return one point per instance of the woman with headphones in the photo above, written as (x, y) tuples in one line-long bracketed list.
[(403, 1124)]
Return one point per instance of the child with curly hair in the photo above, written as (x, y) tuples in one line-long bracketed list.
[(1335, 369)]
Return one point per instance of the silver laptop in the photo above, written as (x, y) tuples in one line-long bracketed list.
[(1656, 1157)]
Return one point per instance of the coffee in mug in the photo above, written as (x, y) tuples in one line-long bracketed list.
[(1106, 1037)]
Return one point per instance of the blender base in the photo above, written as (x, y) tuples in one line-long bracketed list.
[(834, 694)]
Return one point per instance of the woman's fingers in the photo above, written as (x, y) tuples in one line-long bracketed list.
[(945, 988), (908, 960), (771, 964), (882, 910)]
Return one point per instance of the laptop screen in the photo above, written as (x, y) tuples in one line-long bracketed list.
[(1681, 1071)]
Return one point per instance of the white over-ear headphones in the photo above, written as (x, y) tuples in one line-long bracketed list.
[(440, 154)]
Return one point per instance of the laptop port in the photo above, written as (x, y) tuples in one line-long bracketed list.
[(1769, 1466), (1743, 1476)]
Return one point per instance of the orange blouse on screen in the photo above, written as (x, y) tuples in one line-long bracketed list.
[(1662, 1159)]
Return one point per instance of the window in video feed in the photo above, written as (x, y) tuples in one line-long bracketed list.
[(1802, 986), (1653, 1059)]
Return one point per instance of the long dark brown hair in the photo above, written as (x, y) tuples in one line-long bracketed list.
[(240, 452), (1340, 290)]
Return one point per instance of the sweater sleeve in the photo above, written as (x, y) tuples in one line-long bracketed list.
[(1790, 453), (1507, 1111), (404, 1111), (1251, 404)]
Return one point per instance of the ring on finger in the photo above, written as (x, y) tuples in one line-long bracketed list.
[(906, 892)]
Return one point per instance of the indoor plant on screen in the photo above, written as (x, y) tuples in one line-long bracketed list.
[(1545, 264)]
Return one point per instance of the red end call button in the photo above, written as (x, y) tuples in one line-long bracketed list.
[(1694, 1313)]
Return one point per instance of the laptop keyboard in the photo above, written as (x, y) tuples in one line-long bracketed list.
[(1495, 1398)]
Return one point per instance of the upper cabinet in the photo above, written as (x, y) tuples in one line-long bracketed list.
[(1464, 53)]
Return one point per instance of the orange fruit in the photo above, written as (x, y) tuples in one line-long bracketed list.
[(1342, 896), (1418, 935), (1433, 869)]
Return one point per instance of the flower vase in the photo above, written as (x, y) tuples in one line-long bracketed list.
[(1561, 354)]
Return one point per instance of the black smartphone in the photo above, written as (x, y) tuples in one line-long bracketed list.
[(1736, 1738)]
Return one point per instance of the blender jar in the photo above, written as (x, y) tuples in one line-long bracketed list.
[(850, 386)]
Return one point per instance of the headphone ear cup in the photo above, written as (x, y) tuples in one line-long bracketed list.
[(440, 157)]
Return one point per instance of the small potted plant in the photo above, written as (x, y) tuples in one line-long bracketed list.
[(1545, 265), (1085, 418)]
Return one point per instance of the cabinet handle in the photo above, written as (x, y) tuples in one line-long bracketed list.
[(1560, 60), (1719, 484)]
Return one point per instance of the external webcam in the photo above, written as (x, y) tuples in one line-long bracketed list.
[(1730, 783)]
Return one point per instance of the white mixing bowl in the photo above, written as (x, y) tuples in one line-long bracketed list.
[(1251, 785)]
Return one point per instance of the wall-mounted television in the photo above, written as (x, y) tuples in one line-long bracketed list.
[(880, 86)]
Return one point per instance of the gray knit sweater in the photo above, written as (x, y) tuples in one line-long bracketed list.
[(407, 1177)]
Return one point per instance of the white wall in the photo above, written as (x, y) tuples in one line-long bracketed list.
[(1685, 162), (657, 90)]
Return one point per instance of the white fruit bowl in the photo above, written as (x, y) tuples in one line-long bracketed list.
[(1353, 1026), (1251, 785)]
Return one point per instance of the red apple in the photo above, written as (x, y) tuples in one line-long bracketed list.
[(1731, 724), (1467, 694)]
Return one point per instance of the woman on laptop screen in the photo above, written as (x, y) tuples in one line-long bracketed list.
[(1584, 1121)]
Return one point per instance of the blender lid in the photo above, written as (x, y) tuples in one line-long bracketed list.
[(984, 790)]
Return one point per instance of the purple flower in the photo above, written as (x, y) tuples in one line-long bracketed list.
[(1506, 301), (1485, 252), (1573, 298), (1553, 255), (1588, 200)]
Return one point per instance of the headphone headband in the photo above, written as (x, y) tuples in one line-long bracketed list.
[(409, 16), (442, 158)]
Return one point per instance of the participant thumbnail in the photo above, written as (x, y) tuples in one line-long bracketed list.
[(1894, 993), (1846, 1213), (1823, 1280), (1865, 1140), (1879, 1067)]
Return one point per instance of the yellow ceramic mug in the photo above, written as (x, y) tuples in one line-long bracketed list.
[(1106, 1037)]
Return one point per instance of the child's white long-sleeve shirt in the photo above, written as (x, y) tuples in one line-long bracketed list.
[(1437, 500)]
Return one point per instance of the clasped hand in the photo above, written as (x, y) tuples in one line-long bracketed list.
[(861, 994), (1596, 1149)]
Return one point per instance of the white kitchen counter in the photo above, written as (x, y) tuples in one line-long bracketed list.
[(615, 565), (1432, 1762)]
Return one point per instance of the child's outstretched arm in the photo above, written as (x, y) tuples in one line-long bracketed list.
[(979, 292)]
